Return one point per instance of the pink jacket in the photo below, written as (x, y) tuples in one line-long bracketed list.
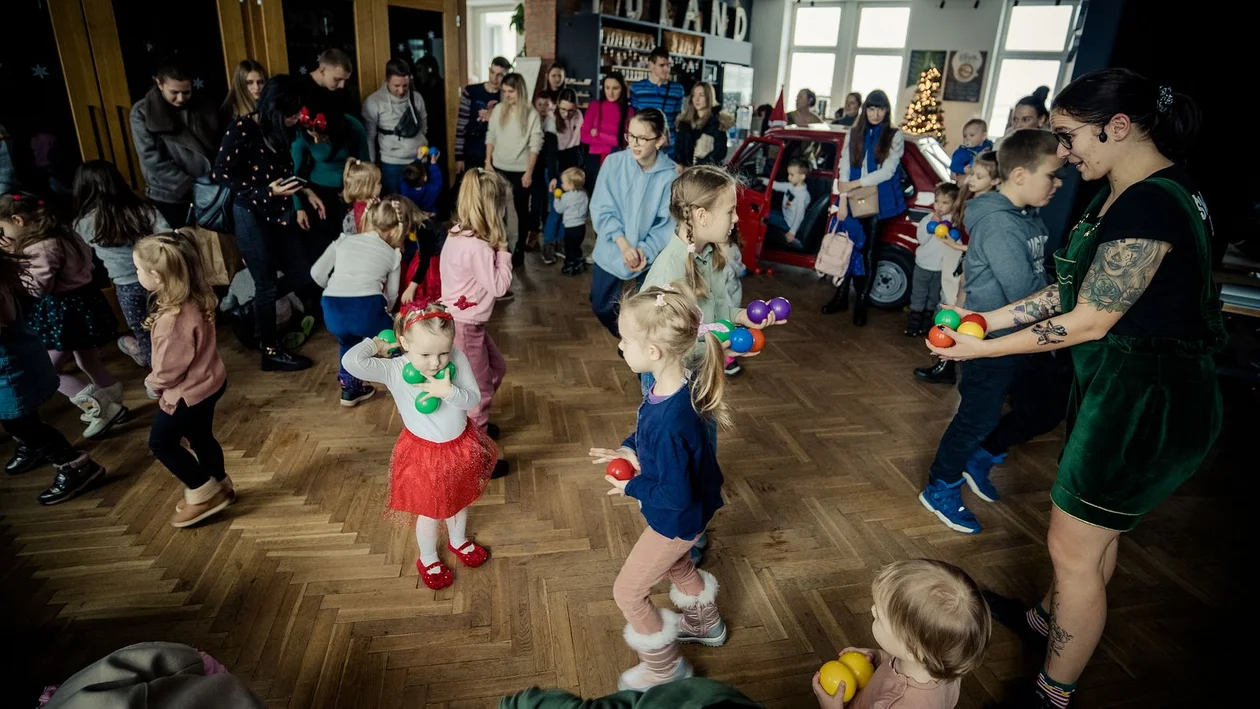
[(473, 275), (54, 268), (604, 118)]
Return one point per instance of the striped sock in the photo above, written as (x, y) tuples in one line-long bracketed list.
[(1057, 694), (1039, 619)]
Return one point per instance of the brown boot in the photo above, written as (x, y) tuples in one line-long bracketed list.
[(202, 503), (660, 660), (700, 620)]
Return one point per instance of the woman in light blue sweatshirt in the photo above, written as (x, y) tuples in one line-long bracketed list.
[(630, 211)]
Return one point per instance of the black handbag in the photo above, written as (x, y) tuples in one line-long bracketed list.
[(212, 205)]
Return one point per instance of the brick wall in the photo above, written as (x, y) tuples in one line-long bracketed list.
[(540, 29)]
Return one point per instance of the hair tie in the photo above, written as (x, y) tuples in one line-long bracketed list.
[(1165, 100), (660, 300), (669, 288), (691, 248)]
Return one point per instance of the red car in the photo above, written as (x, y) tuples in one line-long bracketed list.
[(764, 159)]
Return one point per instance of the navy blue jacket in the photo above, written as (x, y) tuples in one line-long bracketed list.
[(679, 484)]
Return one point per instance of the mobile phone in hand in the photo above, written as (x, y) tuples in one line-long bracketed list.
[(292, 180)]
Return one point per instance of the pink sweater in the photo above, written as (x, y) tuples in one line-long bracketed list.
[(473, 275), (604, 118), (186, 363), (53, 268)]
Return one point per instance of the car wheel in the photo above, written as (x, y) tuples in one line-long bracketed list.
[(893, 273)]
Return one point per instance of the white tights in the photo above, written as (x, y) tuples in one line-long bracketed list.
[(427, 535)]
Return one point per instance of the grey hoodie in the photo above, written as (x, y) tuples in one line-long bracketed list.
[(381, 113), (1005, 258)]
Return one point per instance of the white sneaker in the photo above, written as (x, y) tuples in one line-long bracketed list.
[(590, 260), (102, 408)]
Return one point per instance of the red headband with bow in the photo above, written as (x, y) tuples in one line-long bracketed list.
[(318, 122), (413, 313)]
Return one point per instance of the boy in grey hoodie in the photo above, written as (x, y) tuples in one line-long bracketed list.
[(1005, 262)]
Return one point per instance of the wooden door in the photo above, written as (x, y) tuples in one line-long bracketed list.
[(413, 29)]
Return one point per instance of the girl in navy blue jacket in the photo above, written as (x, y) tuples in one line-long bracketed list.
[(678, 483)]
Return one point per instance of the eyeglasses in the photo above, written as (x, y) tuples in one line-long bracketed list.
[(633, 139), (1065, 137)]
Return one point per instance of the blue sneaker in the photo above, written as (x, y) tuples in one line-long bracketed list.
[(977, 474), (946, 501)]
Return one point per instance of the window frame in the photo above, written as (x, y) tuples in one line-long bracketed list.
[(845, 51), (1000, 53)]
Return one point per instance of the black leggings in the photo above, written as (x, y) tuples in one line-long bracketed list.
[(196, 423), (520, 202), (869, 255), (31, 431), (269, 249)]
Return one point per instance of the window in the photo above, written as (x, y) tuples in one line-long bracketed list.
[(881, 28), (1033, 53), (864, 44)]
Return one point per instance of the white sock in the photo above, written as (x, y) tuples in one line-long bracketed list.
[(457, 528), (426, 537)]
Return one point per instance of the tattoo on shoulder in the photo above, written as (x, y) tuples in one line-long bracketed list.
[(1120, 273), (1048, 333), (1039, 306)]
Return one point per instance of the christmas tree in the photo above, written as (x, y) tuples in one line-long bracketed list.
[(925, 115)]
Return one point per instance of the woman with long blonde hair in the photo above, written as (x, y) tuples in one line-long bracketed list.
[(188, 376), (513, 141), (700, 136), (476, 270), (242, 98)]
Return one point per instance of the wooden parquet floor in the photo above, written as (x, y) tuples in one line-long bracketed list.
[(307, 593)]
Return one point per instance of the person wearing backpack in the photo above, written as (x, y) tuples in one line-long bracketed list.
[(395, 119)]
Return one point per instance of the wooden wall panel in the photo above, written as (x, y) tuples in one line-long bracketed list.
[(90, 126), (111, 77), (232, 32)]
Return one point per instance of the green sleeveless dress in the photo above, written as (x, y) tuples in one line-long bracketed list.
[(1144, 411)]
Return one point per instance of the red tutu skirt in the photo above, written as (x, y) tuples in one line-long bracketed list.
[(436, 480), (431, 290)]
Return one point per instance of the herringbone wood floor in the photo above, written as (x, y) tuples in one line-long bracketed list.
[(305, 591)]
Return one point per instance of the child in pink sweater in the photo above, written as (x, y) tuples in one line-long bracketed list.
[(476, 268)]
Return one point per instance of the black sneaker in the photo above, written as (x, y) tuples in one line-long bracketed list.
[(500, 470), (1013, 614), (940, 373), (278, 359), (25, 458), (492, 430), (733, 368), (71, 481), (356, 395), (549, 254)]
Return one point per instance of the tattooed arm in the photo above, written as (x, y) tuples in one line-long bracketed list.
[(1118, 276)]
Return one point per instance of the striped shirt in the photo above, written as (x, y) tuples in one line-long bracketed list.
[(667, 97)]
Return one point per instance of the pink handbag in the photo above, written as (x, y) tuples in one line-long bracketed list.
[(833, 256)]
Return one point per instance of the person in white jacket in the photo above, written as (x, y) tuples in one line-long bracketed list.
[(396, 122)]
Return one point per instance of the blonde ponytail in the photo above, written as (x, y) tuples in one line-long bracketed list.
[(698, 187)]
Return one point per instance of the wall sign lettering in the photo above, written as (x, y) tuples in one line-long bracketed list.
[(690, 15)]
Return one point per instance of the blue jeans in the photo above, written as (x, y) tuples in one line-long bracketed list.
[(776, 219), (351, 320), (553, 232), (985, 385), (606, 296), (391, 178), (268, 249)]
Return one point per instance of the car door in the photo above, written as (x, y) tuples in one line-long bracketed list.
[(755, 166)]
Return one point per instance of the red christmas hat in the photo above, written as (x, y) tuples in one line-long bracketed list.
[(778, 117)]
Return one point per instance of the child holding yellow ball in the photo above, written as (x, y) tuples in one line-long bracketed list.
[(932, 625)]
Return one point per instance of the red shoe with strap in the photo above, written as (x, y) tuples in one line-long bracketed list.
[(470, 554), (438, 580)]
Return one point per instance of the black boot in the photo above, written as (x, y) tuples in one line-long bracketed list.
[(73, 478), (940, 373), (862, 287), (492, 430), (914, 323), (839, 302), (278, 359), (25, 458), (501, 469)]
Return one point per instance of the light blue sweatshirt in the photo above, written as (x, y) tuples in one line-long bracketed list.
[(633, 203)]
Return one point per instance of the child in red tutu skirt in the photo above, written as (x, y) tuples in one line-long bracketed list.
[(441, 463)]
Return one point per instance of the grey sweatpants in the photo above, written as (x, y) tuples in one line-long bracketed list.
[(925, 292)]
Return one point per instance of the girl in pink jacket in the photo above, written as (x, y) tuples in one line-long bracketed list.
[(476, 268), (604, 125)]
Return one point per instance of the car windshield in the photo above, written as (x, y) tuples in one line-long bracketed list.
[(936, 156)]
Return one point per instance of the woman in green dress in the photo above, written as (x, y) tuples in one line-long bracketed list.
[(1136, 302)]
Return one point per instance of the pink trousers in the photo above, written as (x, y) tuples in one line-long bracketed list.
[(487, 365), (654, 557)]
